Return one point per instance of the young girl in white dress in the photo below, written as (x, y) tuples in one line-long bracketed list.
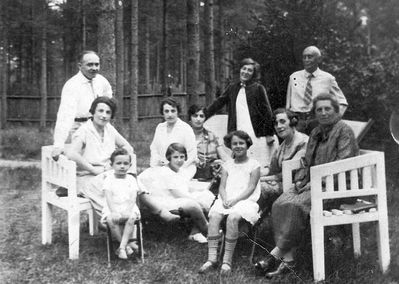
[(238, 194), (120, 210)]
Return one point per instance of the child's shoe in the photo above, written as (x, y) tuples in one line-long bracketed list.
[(208, 265), (198, 237), (225, 269), (129, 251), (121, 253)]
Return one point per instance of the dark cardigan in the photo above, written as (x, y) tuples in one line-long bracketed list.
[(259, 108)]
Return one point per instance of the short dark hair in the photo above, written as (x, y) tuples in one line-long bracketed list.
[(119, 152), (169, 101), (240, 134), (250, 61), (326, 97), (84, 52), (105, 100), (194, 109), (292, 116), (175, 147)]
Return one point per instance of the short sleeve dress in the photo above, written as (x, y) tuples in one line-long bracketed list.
[(237, 182)]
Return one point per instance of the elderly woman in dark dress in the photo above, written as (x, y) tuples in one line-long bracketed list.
[(248, 109), (330, 141)]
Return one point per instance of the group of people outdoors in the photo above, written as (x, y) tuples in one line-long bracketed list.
[(248, 170)]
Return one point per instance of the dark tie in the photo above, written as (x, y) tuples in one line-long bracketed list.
[(308, 90)]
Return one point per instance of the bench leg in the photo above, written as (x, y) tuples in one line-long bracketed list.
[(318, 252), (384, 255), (73, 234), (47, 222), (139, 234), (356, 239), (93, 222)]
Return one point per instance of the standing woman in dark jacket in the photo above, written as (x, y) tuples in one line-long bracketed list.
[(249, 110)]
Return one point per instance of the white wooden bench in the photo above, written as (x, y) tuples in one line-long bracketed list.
[(56, 174), (328, 182)]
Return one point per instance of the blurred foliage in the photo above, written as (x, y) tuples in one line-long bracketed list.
[(359, 42)]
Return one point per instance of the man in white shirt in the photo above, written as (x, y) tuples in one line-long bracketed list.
[(304, 85), (77, 96)]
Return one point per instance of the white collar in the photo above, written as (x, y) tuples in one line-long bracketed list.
[(315, 73)]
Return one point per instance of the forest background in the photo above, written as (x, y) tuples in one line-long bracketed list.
[(191, 49)]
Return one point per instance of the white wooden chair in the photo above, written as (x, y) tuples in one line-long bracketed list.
[(370, 166), (63, 174)]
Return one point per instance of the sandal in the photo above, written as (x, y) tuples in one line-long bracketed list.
[(129, 250), (133, 245), (225, 269), (208, 265), (121, 253)]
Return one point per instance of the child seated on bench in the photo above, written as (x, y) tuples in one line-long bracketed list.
[(120, 210)]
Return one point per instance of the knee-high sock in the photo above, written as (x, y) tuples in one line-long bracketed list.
[(229, 247), (213, 244)]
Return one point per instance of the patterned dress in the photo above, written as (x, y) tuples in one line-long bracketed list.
[(290, 212), (207, 144)]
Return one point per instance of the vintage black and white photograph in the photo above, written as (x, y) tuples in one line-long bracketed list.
[(199, 141)]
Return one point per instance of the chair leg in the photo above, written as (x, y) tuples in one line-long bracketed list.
[(93, 228), (73, 234), (384, 255), (47, 222), (140, 240), (221, 251), (318, 252), (356, 239), (110, 248), (253, 248)]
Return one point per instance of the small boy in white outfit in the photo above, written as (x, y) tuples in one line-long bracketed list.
[(120, 210)]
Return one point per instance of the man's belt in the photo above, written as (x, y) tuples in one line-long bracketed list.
[(81, 119), (304, 115)]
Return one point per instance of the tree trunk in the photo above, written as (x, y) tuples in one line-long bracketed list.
[(119, 62), (43, 79), (84, 26), (3, 72), (147, 57), (133, 123), (220, 55), (193, 50), (164, 68), (106, 40), (209, 54)]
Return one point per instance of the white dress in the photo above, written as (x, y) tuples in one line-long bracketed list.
[(237, 182), (124, 194), (160, 182), (259, 150)]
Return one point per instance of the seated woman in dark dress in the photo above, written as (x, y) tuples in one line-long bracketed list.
[(330, 141)]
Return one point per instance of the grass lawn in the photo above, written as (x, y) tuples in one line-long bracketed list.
[(171, 257)]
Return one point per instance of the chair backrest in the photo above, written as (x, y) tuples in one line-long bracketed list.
[(218, 125), (360, 128), (55, 174), (363, 175)]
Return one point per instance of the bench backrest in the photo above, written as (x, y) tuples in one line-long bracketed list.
[(55, 174)]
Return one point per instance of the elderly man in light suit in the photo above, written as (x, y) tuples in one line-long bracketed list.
[(304, 85)]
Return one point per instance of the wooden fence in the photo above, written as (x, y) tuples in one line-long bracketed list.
[(26, 109)]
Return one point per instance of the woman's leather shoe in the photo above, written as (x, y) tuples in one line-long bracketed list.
[(268, 264), (283, 268)]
